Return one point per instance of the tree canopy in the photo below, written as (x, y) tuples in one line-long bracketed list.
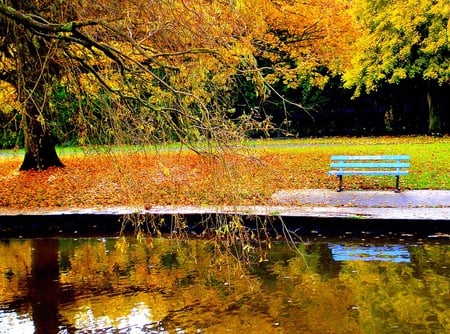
[(400, 40), (133, 72), (155, 69)]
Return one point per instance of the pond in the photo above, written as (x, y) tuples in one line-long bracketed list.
[(111, 285)]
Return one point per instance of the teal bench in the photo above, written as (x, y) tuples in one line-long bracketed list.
[(370, 165)]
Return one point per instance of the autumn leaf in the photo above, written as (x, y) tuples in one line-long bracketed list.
[(139, 180)]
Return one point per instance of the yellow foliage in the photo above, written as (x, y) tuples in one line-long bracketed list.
[(8, 99), (399, 40)]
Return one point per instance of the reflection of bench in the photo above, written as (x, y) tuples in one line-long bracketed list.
[(371, 165), (393, 253)]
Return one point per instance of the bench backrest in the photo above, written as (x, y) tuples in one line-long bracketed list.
[(370, 161)]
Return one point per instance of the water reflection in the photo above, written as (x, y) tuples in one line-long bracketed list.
[(163, 286), (390, 253)]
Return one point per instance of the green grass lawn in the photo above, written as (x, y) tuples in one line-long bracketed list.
[(279, 164), (430, 157)]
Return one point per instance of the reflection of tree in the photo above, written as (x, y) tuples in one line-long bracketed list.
[(15, 266), (311, 302), (30, 281), (175, 281), (165, 284), (400, 296), (43, 285)]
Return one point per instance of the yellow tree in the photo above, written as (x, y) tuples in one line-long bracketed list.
[(297, 47), (296, 38), (400, 40), (158, 69), (166, 62)]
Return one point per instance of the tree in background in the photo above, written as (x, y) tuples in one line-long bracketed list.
[(298, 45), (400, 41)]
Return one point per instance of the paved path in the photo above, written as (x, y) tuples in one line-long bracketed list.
[(413, 204), (308, 213), (366, 199), (320, 203)]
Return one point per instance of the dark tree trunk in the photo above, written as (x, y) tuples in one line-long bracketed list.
[(40, 150), (44, 285), (434, 123), (36, 71)]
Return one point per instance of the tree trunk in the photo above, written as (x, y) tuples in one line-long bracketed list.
[(36, 71), (434, 123), (40, 151)]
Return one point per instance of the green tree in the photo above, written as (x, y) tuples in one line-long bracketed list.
[(400, 40)]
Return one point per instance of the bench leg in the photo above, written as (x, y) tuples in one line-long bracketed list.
[(397, 184), (340, 187)]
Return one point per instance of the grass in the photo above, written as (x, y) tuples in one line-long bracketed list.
[(430, 157), (172, 176)]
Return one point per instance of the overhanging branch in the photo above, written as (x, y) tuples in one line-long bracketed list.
[(38, 23)]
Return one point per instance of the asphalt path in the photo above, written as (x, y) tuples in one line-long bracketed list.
[(409, 204), (364, 198), (309, 203)]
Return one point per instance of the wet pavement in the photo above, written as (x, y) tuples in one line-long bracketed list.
[(311, 213), (409, 204), (366, 199), (309, 203)]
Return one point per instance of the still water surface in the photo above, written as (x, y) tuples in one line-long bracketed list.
[(162, 286)]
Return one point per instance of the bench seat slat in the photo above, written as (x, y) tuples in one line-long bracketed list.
[(369, 165), (367, 172), (370, 157)]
